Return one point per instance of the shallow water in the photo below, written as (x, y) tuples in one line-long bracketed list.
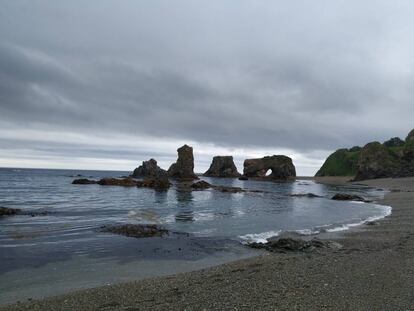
[(64, 250)]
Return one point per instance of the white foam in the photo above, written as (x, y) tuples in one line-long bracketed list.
[(262, 237), (259, 237), (386, 211)]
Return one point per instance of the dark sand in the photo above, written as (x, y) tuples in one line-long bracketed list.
[(374, 271)]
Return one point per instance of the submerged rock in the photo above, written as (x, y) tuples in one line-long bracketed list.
[(243, 178), (305, 195), (123, 182), (184, 167), (84, 181), (288, 244), (5, 211), (222, 166), (201, 185), (348, 197), (136, 231), (281, 167), (158, 183), (229, 189), (149, 169)]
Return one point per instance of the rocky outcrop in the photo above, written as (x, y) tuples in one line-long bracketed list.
[(281, 167), (378, 161), (136, 231), (148, 169), (222, 166), (184, 167)]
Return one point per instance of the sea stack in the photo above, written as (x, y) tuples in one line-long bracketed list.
[(281, 167), (184, 167), (222, 166), (149, 169)]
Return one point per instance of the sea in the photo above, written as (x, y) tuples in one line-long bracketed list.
[(59, 245)]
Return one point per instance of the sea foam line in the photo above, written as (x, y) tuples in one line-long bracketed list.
[(263, 236)]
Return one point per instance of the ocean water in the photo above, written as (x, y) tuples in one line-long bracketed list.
[(65, 250)]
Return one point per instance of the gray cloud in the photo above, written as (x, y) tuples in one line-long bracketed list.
[(256, 75)]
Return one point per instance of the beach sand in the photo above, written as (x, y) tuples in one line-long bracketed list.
[(373, 271)]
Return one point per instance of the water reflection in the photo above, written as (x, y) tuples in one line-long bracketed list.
[(185, 210)]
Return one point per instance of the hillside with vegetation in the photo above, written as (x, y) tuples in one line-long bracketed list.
[(393, 158)]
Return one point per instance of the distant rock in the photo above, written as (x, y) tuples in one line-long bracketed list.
[(281, 167), (394, 142), (5, 211), (124, 182), (348, 197), (84, 181), (243, 178), (148, 169), (288, 244), (136, 231), (184, 167), (222, 166)]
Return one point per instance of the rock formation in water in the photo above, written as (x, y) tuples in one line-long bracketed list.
[(184, 167), (148, 169), (222, 166), (393, 158), (281, 167)]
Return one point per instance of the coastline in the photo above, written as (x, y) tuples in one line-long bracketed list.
[(374, 270)]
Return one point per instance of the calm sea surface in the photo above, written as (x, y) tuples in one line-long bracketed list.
[(65, 250)]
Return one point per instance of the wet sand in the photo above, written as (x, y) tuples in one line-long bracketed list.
[(373, 271)]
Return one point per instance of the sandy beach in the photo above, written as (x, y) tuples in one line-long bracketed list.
[(373, 271)]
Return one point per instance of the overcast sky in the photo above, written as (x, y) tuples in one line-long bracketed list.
[(107, 84)]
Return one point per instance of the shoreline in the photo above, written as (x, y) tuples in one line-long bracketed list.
[(373, 268)]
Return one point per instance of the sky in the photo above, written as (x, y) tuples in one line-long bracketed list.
[(108, 84)]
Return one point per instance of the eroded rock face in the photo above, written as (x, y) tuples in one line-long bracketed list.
[(148, 169), (281, 167), (222, 166), (184, 167)]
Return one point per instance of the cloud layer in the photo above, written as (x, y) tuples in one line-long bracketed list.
[(115, 83)]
